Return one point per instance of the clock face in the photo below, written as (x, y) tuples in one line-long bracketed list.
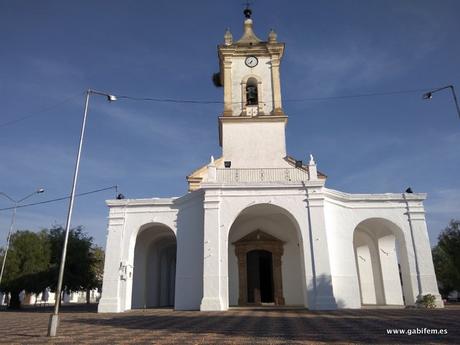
[(251, 61)]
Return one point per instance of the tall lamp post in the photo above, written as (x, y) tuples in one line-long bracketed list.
[(429, 95), (54, 319), (13, 220)]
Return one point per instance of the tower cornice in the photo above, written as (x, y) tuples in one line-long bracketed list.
[(260, 49)]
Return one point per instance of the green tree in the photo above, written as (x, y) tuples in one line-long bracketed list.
[(446, 258), (97, 271), (78, 270), (27, 265)]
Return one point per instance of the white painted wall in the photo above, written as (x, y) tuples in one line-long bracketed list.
[(254, 144)]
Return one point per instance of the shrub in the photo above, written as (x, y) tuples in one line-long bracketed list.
[(427, 301)]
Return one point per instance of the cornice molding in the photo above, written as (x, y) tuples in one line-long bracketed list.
[(259, 49), (260, 118), (398, 197)]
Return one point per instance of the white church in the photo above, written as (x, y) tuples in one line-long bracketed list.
[(258, 227)]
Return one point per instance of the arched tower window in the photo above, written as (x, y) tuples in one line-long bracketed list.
[(252, 97)]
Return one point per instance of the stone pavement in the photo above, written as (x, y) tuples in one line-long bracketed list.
[(82, 325)]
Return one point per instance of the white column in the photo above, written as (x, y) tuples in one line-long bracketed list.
[(212, 299), (312, 171), (366, 275), (228, 109), (390, 271), (110, 299), (426, 281), (320, 290), (277, 107), (212, 171)]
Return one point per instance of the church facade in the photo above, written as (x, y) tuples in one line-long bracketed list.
[(259, 227)]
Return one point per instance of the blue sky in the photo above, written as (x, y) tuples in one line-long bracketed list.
[(52, 51)]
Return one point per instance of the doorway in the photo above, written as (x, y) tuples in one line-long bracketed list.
[(260, 277)]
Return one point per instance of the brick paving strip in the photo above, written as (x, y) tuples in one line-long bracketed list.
[(82, 325)]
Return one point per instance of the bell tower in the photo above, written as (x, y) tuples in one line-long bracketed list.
[(252, 125)]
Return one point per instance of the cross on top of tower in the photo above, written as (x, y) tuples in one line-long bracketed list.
[(247, 11)]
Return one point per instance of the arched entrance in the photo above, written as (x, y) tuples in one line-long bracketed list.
[(154, 272), (264, 258), (381, 263)]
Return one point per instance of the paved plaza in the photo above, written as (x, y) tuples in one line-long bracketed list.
[(82, 325)]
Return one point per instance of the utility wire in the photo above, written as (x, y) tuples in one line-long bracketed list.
[(195, 101), (356, 96), (168, 100), (43, 110), (59, 199), (172, 100)]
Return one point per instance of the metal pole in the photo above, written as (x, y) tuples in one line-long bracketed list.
[(455, 99), (13, 220), (54, 319)]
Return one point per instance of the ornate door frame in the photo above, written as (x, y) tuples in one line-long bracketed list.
[(259, 240)]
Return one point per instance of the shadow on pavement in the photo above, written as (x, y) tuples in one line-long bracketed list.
[(363, 326)]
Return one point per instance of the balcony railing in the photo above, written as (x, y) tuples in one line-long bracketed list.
[(261, 175)]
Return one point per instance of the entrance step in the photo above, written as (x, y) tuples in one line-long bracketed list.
[(268, 306), (382, 306)]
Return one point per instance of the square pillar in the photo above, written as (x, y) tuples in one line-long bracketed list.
[(390, 273), (426, 277), (212, 299), (319, 285), (111, 286)]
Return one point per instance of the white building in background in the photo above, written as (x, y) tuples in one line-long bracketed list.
[(260, 228), (48, 298)]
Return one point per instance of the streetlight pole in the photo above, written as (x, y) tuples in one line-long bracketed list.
[(54, 319), (429, 95), (13, 220)]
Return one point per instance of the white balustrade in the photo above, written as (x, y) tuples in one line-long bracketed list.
[(261, 175)]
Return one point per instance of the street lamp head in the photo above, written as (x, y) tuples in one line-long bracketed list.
[(40, 190), (428, 95), (111, 98)]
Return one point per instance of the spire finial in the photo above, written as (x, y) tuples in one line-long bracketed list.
[(247, 11), (272, 36), (249, 37), (228, 37)]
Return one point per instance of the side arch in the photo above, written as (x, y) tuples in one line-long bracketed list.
[(154, 266), (382, 263)]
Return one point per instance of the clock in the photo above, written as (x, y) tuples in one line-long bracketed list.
[(251, 61)]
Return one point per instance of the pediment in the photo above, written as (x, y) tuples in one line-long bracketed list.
[(258, 236)]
